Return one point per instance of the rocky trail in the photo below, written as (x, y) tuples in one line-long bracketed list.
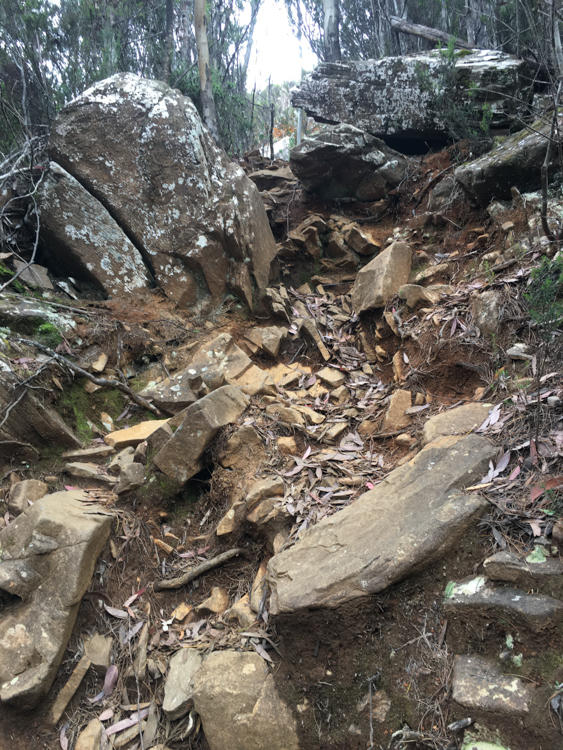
[(318, 508)]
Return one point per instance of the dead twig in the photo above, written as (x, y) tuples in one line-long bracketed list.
[(176, 583)]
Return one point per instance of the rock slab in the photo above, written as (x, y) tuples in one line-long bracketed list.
[(479, 684), (49, 555), (382, 278), (405, 523)]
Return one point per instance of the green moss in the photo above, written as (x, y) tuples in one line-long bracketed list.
[(48, 334), (75, 402)]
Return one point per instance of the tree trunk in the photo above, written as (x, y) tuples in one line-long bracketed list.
[(433, 35), (168, 42), (205, 84), (331, 14)]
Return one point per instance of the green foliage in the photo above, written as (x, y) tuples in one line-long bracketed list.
[(75, 403), (446, 88), (48, 334), (545, 296)]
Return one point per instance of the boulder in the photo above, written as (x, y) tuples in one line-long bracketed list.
[(343, 162), (180, 457), (404, 524), (140, 148), (456, 421), (382, 278), (517, 160), (84, 241), (48, 557), (388, 98), (239, 705)]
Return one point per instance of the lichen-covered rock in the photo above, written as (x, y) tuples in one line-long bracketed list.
[(83, 239), (141, 149), (387, 97), (344, 162), (516, 161)]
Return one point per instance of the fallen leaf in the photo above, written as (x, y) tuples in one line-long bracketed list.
[(63, 740), (134, 597), (135, 718), (116, 612), (106, 715)]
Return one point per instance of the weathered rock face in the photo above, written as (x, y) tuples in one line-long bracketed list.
[(240, 708), (385, 97), (408, 521), (140, 148), (516, 161), (84, 240), (344, 162), (48, 558)]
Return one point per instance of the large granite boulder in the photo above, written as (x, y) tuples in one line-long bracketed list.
[(48, 558), (515, 161), (140, 148), (344, 162), (388, 97), (83, 240), (404, 524), (240, 707)]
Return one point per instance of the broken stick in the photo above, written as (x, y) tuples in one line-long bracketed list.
[(175, 583)]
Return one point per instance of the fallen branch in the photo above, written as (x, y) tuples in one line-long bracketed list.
[(425, 32), (102, 382), (176, 583)]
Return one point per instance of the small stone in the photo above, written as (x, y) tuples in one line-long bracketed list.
[(91, 737), (50, 479), (309, 327), (123, 458), (98, 649), (335, 430), (507, 226), (268, 339), (405, 440), (270, 487), (88, 471), (100, 451), (313, 416), (399, 374), (133, 435), (107, 421), (339, 395), (131, 476), (519, 352), (182, 611), (100, 363), (242, 613), (90, 387), (419, 399), (367, 428), (231, 520), (431, 272), (332, 377), (395, 418), (287, 415), (216, 603), (288, 446)]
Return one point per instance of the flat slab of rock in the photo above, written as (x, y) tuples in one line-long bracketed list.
[(49, 555), (180, 457), (456, 421), (195, 217), (411, 519), (479, 684), (478, 595), (382, 278), (88, 471), (531, 572), (99, 451), (239, 705), (132, 436), (385, 96), (178, 687)]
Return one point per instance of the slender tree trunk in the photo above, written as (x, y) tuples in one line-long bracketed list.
[(331, 12), (205, 84), (168, 42)]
